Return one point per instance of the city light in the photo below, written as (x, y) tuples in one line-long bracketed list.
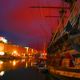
[(14, 63), (1, 62), (2, 53), (26, 64), (1, 47), (2, 73), (14, 53), (27, 48), (32, 51), (3, 39)]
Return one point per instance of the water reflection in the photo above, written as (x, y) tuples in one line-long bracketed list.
[(26, 64), (22, 69), (2, 73), (13, 64), (1, 62), (19, 70)]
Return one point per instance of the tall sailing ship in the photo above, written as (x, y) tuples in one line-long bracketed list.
[(64, 47), (68, 34)]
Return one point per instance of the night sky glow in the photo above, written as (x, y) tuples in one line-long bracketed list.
[(26, 26)]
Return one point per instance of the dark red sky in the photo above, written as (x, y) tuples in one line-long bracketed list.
[(27, 26)]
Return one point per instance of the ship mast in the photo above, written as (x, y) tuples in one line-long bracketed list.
[(59, 31)]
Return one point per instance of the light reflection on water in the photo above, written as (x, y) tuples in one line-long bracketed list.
[(2, 73), (13, 64), (19, 70)]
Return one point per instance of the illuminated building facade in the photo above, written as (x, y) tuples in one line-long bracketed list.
[(14, 50)]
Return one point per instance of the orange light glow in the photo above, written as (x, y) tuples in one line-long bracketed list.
[(1, 47), (1, 62), (27, 49), (14, 63), (2, 53), (3, 39), (15, 53), (2, 73), (26, 64)]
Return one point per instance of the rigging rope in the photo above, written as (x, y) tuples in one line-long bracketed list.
[(65, 23), (44, 21)]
